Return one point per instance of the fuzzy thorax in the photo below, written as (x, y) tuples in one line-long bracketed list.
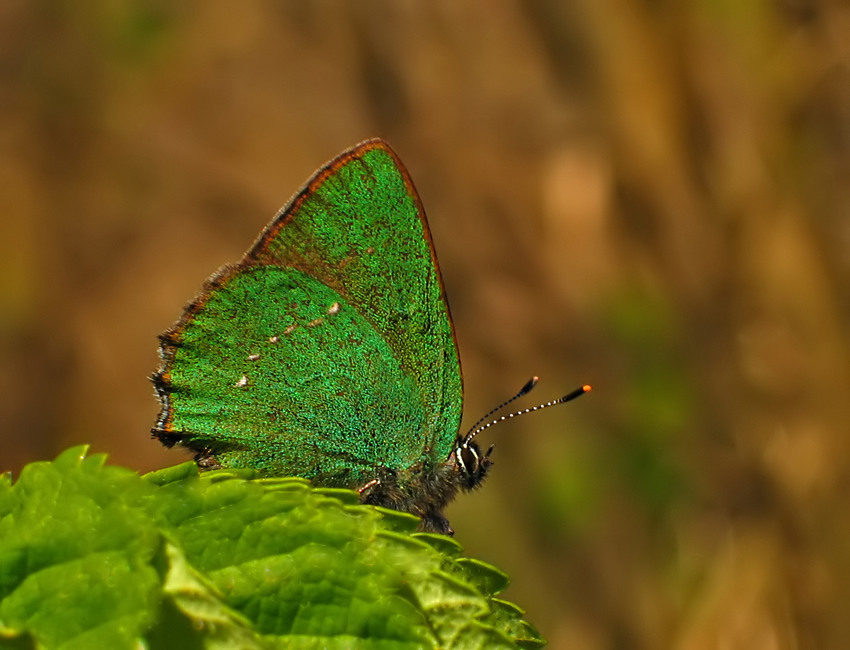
[(426, 491)]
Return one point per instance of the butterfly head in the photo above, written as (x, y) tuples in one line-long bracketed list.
[(472, 464)]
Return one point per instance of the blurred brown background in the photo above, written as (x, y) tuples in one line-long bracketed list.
[(648, 196)]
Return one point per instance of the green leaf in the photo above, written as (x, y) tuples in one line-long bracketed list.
[(76, 552), (93, 555), (486, 577)]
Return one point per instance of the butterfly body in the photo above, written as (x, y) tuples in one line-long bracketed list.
[(328, 352)]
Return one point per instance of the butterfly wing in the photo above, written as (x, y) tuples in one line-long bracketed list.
[(328, 351)]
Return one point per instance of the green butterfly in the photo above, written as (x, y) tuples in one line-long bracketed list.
[(328, 352)]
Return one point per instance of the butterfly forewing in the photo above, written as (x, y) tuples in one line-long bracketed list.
[(328, 351)]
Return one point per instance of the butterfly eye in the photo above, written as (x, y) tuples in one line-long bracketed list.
[(468, 459), (472, 465)]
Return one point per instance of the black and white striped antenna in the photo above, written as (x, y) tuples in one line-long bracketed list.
[(480, 426)]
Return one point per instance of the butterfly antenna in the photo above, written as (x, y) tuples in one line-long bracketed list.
[(525, 390), (478, 428)]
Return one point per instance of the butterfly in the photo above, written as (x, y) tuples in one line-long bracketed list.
[(328, 351)]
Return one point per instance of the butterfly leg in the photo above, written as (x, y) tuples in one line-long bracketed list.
[(369, 485), (206, 460)]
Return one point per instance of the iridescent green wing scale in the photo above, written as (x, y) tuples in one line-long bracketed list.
[(328, 351)]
